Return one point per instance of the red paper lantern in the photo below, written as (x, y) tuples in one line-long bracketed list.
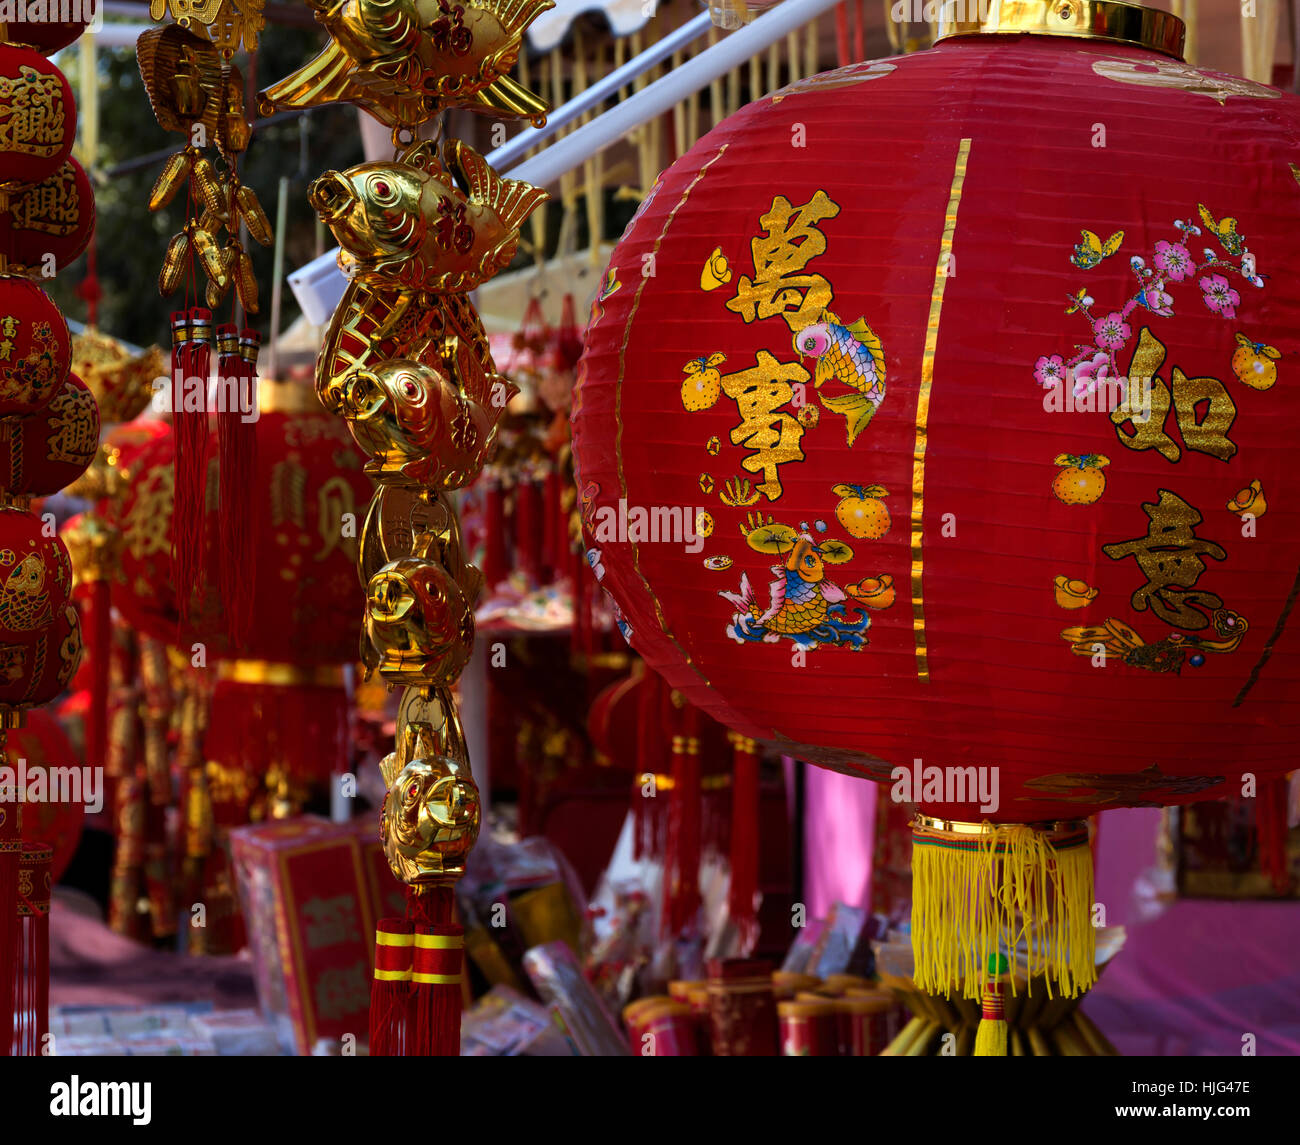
[(837, 334), (31, 26), (35, 672), (49, 449), (35, 580), (38, 119), (305, 605), (35, 347), (43, 745), (52, 219)]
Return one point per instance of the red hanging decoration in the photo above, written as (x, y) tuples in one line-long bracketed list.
[(743, 891), (437, 964), (191, 365), (237, 418)]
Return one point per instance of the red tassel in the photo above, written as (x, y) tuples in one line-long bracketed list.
[(494, 536), (743, 893), (237, 476), (1271, 815), (101, 656), (260, 725), (437, 966), (10, 846), (528, 530), (191, 364), (682, 857), (30, 992), (391, 989)]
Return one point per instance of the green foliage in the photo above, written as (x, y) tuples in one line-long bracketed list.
[(131, 240)]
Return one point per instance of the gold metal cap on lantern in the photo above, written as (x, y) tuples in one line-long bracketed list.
[(1108, 20)]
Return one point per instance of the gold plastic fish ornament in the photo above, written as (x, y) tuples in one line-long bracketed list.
[(417, 424), (419, 622), (431, 812), (406, 60), (410, 225)]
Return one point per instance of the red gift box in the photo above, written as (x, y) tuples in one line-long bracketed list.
[(308, 905)]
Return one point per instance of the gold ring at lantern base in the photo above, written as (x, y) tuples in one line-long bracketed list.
[(12, 718), (1106, 20), (280, 675), (1062, 828), (34, 879)]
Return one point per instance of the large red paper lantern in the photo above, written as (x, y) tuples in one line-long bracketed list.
[(867, 333), (38, 119), (35, 347)]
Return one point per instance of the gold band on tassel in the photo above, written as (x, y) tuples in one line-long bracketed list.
[(979, 889)]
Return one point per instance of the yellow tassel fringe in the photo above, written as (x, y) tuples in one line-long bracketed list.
[(982, 891), (991, 1039)]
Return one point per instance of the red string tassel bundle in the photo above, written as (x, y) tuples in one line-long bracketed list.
[(743, 892), (1271, 816), (101, 656), (237, 453), (437, 964), (31, 958), (10, 846), (391, 989), (191, 364), (682, 854)]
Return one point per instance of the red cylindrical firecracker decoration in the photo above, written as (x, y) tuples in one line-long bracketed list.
[(992, 444)]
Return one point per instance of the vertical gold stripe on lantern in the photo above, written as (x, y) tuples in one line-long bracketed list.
[(618, 398), (923, 406)]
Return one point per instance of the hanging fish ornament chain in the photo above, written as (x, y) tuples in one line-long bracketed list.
[(405, 361)]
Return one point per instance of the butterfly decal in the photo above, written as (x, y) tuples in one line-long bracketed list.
[(1225, 230), (1090, 250)]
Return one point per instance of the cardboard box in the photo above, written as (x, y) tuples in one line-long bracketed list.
[(308, 905)]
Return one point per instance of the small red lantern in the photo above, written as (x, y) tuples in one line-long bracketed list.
[(43, 745), (31, 26), (49, 449), (35, 347), (38, 119), (36, 672), (51, 219), (35, 579)]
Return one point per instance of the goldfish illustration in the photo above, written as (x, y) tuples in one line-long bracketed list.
[(851, 355), (424, 223), (417, 424), (803, 604), (1090, 250), (24, 601), (406, 60)]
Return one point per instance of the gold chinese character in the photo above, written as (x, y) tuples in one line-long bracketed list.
[(1204, 435), (772, 433), (1170, 557), (790, 240)]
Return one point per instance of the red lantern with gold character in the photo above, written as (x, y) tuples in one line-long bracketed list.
[(30, 22), (52, 219), (39, 117), (35, 347), (49, 449), (966, 372)]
